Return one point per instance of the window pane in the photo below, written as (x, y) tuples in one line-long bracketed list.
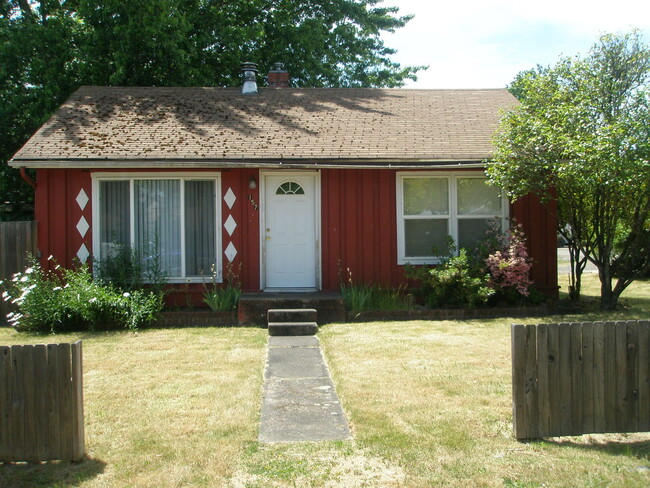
[(426, 196), (472, 231), (421, 236), (475, 197), (114, 216), (157, 222), (290, 188), (199, 228)]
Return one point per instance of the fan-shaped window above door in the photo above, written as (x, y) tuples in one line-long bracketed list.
[(290, 188)]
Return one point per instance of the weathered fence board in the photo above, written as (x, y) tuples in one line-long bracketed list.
[(644, 378), (17, 241), (41, 403), (580, 378)]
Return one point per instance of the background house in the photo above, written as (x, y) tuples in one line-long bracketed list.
[(286, 185)]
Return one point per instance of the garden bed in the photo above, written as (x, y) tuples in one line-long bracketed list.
[(451, 313), (208, 318), (196, 318)]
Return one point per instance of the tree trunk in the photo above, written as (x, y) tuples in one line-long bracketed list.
[(578, 264), (608, 299)]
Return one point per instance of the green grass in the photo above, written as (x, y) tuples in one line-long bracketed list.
[(429, 404), (162, 408), (633, 304), (437, 404)]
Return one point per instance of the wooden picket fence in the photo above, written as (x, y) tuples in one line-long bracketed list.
[(580, 378), (41, 403), (17, 241)]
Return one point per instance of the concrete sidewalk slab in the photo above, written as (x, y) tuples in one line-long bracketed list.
[(296, 362), (293, 341), (300, 402)]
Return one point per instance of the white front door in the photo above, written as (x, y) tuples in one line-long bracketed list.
[(290, 233)]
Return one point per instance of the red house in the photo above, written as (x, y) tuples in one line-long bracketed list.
[(290, 183)]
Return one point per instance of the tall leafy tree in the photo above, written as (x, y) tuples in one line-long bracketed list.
[(49, 48), (582, 135), (37, 72), (569, 226)]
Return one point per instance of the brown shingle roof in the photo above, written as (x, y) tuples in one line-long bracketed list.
[(99, 125)]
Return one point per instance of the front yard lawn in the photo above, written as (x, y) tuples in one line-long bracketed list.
[(163, 408), (433, 400), (429, 405)]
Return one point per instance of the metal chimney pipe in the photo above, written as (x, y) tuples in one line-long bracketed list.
[(250, 80)]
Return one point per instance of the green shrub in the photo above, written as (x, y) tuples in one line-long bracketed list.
[(129, 269), (362, 297), (452, 283), (69, 299), (496, 271), (356, 297), (223, 298)]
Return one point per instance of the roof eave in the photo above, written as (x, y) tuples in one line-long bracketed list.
[(367, 163)]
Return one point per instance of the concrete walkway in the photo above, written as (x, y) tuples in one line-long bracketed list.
[(300, 403)]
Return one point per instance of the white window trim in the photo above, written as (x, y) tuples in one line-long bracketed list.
[(97, 177), (452, 217)]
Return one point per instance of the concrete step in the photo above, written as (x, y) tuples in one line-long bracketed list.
[(293, 328), (292, 315), (253, 307)]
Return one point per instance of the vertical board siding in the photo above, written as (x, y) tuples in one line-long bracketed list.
[(245, 237), (58, 213), (580, 378), (41, 403), (18, 240), (539, 221), (359, 227)]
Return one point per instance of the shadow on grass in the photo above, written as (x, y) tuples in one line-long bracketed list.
[(634, 449), (53, 473)]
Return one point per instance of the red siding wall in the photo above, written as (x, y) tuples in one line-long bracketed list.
[(540, 225), (58, 214), (246, 237), (358, 227)]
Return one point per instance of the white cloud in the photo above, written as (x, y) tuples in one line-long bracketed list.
[(486, 43)]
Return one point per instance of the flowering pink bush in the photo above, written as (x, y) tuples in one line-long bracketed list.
[(510, 268)]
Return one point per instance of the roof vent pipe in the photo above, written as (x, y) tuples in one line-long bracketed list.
[(250, 84)]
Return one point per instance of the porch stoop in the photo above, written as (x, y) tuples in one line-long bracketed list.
[(292, 322), (254, 307)]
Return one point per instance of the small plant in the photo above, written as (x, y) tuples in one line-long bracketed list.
[(224, 298), (356, 297), (362, 297), (69, 299), (130, 269), (510, 267)]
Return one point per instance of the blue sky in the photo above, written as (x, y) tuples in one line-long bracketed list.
[(484, 44)]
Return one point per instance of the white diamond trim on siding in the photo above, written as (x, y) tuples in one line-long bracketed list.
[(229, 198), (231, 252), (82, 226), (230, 225), (83, 253), (82, 199)]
